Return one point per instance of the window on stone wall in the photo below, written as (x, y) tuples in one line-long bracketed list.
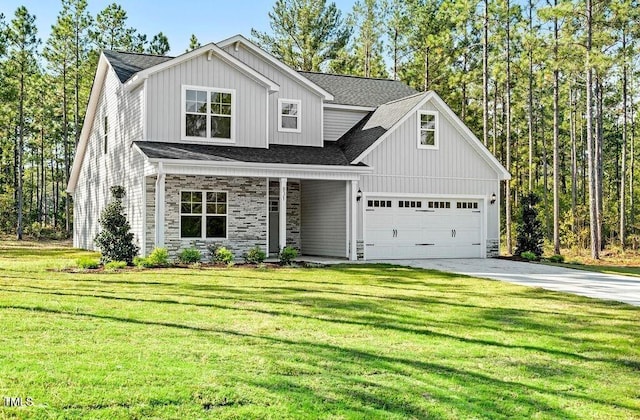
[(203, 214)]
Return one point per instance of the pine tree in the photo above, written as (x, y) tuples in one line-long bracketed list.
[(306, 33), (159, 45), (529, 233), (193, 43), (115, 240)]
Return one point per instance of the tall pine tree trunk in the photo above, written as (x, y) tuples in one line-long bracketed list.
[(485, 78), (623, 160), (593, 218), (574, 161), (508, 134), (556, 128)]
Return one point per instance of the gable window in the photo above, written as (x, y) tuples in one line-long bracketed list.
[(106, 135), (289, 115), (427, 130), (208, 113), (203, 214)]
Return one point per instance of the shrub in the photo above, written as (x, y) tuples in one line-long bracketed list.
[(115, 240), (529, 256), (222, 256), (141, 262), (87, 263), (556, 258), (190, 256), (287, 255), (530, 237), (115, 265), (159, 257), (255, 255)]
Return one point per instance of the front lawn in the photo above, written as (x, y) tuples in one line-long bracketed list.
[(360, 341)]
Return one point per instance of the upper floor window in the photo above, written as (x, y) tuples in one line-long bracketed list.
[(427, 130), (289, 115), (208, 113)]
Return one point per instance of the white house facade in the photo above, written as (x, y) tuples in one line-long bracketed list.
[(226, 145)]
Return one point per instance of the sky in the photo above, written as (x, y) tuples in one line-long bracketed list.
[(210, 21)]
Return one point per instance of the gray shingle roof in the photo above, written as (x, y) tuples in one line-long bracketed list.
[(359, 91), (126, 64), (330, 154), (374, 125)]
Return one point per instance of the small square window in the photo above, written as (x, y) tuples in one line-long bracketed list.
[(400, 203), (289, 115), (427, 130)]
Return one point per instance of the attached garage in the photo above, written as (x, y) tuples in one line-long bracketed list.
[(419, 227)]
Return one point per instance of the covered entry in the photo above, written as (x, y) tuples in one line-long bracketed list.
[(414, 227)]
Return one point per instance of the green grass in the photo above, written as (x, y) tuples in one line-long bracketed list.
[(343, 342)]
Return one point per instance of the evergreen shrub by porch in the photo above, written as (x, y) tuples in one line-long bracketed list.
[(115, 239), (255, 255), (529, 233), (190, 256), (222, 256), (87, 263), (287, 255)]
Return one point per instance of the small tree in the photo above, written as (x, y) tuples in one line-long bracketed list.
[(530, 237), (115, 240)]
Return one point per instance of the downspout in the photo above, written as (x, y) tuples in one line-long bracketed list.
[(160, 210)]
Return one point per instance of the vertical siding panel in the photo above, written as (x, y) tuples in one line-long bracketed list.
[(166, 101), (323, 213), (289, 89)]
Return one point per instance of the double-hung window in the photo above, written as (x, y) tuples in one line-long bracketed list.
[(289, 115), (203, 214), (208, 113), (427, 130)]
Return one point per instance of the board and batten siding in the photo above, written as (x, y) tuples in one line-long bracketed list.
[(455, 168), (338, 121), (121, 165), (311, 113), (164, 100), (324, 222)]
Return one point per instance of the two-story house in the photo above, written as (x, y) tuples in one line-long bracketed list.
[(227, 145)]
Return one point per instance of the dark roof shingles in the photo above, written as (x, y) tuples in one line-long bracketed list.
[(361, 136), (359, 91), (330, 154), (126, 64)]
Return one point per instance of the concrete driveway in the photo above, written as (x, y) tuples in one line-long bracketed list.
[(586, 283)]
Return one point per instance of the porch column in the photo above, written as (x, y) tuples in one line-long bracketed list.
[(160, 202), (354, 221), (282, 228)]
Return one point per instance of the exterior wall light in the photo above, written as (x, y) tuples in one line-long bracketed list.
[(359, 195), (493, 198)]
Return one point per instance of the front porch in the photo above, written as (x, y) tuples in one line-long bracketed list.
[(241, 212)]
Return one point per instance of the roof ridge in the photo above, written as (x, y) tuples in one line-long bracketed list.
[(383, 79), (139, 53), (404, 98)]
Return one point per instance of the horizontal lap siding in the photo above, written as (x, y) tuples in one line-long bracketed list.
[(455, 168), (324, 226), (338, 122), (164, 100), (121, 165), (289, 89)]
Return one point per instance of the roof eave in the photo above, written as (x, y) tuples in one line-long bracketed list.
[(92, 105)]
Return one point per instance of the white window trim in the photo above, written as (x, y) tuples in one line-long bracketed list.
[(183, 111), (289, 101), (203, 231), (436, 130)]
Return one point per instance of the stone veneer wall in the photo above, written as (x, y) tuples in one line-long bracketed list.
[(150, 217), (293, 210), (247, 212), (493, 249)]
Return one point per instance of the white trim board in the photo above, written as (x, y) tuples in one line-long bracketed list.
[(210, 49)]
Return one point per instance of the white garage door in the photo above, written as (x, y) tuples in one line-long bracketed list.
[(410, 228)]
